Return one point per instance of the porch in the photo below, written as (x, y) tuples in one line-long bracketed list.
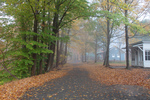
[(137, 55)]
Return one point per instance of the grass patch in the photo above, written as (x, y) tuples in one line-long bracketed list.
[(117, 62), (123, 63)]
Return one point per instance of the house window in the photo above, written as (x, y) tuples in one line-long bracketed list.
[(118, 55), (113, 55), (147, 54)]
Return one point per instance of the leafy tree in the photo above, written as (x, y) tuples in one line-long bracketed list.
[(133, 10), (94, 29), (31, 37)]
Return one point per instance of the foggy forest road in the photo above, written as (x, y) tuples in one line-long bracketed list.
[(77, 85)]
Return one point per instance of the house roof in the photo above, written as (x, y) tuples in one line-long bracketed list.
[(118, 49), (137, 43), (111, 49), (140, 42)]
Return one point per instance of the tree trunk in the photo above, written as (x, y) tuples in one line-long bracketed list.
[(61, 49), (104, 63), (8, 70), (58, 53), (85, 54), (104, 56), (108, 44), (82, 58), (65, 60), (66, 46), (55, 31), (108, 38), (43, 30), (96, 50), (52, 47), (49, 55), (107, 53), (41, 67), (34, 56), (120, 51), (52, 56), (23, 29), (48, 61), (33, 69), (126, 36)]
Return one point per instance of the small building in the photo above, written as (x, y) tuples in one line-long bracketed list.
[(116, 54), (140, 54)]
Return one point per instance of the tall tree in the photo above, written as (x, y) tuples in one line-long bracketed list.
[(65, 13), (107, 12), (133, 11), (126, 36)]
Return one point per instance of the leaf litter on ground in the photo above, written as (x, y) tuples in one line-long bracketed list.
[(15, 89), (110, 76)]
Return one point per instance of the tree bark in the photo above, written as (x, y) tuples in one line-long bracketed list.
[(85, 54), (61, 49), (120, 50), (51, 62), (48, 61), (108, 38), (35, 28), (82, 58), (65, 60), (41, 65), (43, 30), (23, 29), (55, 31), (126, 37), (58, 52), (66, 48), (49, 44), (107, 51), (104, 63), (9, 72), (96, 50), (33, 69)]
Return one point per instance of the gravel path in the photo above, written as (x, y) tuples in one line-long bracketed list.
[(76, 85)]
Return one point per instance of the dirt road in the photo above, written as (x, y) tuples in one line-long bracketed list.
[(77, 85)]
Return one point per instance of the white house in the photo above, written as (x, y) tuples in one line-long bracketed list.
[(140, 54)]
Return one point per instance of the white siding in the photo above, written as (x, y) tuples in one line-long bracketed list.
[(136, 58), (146, 46)]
